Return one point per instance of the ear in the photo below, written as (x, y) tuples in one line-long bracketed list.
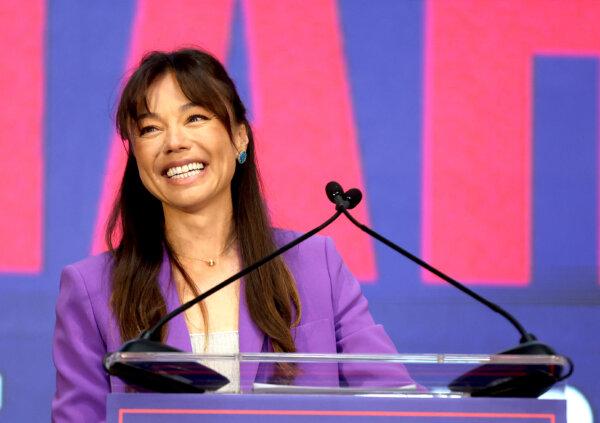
[(241, 137)]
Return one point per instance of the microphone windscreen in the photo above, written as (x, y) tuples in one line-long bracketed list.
[(353, 196), (333, 189)]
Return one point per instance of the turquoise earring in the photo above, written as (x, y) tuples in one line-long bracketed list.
[(242, 156)]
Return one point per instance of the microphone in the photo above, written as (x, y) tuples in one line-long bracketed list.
[(488, 380), (191, 377), (353, 197), (335, 193)]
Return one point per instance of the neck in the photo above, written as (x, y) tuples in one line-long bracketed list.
[(202, 234)]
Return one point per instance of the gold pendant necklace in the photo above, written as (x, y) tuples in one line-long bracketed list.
[(209, 262)]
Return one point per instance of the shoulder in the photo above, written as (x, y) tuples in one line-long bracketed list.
[(317, 252), (93, 265), (92, 273), (85, 289), (314, 263), (315, 245), (309, 253)]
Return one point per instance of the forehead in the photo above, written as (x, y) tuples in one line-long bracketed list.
[(164, 95)]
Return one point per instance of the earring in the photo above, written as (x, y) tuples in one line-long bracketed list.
[(242, 156)]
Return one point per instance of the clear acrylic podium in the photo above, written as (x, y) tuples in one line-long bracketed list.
[(405, 387)]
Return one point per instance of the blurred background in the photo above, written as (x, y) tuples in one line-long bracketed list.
[(471, 126)]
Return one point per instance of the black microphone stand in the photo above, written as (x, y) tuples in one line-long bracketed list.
[(488, 380), (153, 376)]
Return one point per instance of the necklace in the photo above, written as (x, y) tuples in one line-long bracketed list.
[(211, 262)]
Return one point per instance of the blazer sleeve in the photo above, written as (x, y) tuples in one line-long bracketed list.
[(78, 350), (356, 331)]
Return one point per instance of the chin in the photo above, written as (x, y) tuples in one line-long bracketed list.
[(195, 198), (188, 205)]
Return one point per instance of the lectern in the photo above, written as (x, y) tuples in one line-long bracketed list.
[(307, 387)]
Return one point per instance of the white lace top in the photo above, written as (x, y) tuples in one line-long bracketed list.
[(220, 343)]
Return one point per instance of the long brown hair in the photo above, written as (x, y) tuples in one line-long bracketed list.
[(136, 300)]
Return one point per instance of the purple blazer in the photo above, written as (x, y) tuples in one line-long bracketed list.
[(335, 319)]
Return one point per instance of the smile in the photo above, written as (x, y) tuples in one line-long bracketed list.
[(185, 171)]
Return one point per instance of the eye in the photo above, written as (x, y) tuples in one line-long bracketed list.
[(145, 130), (195, 118)]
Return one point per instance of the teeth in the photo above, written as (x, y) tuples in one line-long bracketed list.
[(186, 174), (185, 170)]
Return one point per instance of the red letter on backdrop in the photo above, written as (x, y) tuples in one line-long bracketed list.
[(478, 128), (303, 118), (164, 26), (22, 167)]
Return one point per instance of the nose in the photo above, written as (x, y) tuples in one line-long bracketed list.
[(175, 140)]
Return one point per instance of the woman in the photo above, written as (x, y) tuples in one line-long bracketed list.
[(191, 214)]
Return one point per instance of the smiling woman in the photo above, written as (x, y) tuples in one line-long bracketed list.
[(181, 144), (188, 215)]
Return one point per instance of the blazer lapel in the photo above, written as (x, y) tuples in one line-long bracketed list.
[(251, 341), (178, 335)]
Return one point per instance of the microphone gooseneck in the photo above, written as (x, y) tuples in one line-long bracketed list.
[(153, 333), (184, 376), (486, 380), (525, 337)]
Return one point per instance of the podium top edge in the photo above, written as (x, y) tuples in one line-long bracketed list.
[(449, 359)]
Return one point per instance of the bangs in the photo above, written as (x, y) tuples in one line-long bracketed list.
[(205, 91), (196, 79)]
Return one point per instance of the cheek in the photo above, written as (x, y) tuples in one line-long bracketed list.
[(145, 163), (225, 153), (230, 162), (144, 156)]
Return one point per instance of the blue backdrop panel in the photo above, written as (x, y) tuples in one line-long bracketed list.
[(565, 177)]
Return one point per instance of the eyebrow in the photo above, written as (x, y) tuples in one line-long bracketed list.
[(182, 108)]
